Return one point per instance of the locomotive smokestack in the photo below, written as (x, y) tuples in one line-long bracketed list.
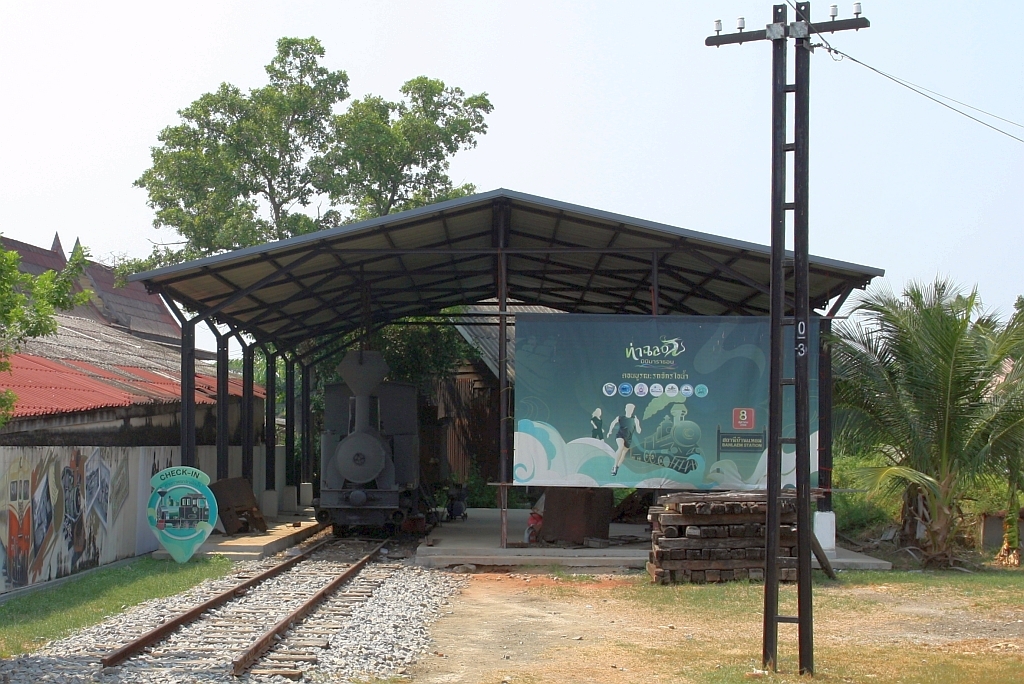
[(363, 372)]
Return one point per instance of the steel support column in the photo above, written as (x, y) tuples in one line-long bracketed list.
[(307, 425), (188, 394), (248, 410), (270, 423), (223, 397), (825, 415), (502, 221), (801, 338), (770, 642), (290, 471)]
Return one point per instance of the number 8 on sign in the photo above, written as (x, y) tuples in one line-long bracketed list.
[(743, 419)]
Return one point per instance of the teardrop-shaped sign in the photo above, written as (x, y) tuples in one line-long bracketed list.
[(182, 510)]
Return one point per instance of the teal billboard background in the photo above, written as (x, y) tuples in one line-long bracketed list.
[(667, 402)]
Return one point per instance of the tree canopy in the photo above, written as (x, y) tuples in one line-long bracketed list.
[(928, 381), (27, 307), (245, 168)]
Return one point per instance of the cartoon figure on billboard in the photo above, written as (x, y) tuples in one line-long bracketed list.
[(596, 424), (628, 425)]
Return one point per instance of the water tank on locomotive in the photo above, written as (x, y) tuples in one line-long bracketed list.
[(369, 449)]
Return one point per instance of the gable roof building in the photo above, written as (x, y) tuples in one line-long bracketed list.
[(129, 308)]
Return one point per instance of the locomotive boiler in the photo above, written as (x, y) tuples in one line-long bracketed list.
[(369, 449)]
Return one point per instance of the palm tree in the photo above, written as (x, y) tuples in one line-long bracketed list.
[(923, 380)]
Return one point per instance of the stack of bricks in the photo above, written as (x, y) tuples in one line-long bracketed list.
[(717, 537)]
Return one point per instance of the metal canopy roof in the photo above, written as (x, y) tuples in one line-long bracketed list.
[(419, 262)]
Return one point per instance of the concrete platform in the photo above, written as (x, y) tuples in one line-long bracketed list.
[(477, 541), (846, 559), (281, 534)]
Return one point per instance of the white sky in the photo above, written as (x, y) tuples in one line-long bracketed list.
[(613, 105)]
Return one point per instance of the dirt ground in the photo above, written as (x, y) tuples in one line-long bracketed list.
[(523, 628)]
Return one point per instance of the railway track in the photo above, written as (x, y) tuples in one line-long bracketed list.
[(272, 623)]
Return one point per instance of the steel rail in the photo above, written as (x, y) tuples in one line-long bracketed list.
[(159, 633), (249, 657)]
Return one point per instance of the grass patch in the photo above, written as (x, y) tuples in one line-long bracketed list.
[(29, 621), (729, 653), (559, 572)]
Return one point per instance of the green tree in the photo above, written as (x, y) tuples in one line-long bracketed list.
[(392, 156), (924, 381), (1010, 463), (243, 169), (27, 307), (237, 171)]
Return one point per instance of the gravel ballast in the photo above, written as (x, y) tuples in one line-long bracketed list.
[(379, 638)]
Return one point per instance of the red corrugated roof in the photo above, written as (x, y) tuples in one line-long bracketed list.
[(45, 386)]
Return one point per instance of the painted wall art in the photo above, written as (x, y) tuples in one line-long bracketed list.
[(66, 509)]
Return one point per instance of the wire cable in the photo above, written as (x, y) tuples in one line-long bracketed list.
[(920, 91)]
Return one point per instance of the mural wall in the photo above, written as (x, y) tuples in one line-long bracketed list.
[(672, 402), (67, 509)]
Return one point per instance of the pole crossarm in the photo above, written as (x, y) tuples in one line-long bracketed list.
[(797, 29)]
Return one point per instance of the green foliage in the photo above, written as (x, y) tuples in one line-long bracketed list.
[(238, 168), (922, 382), (482, 495), (243, 169), (421, 354), (27, 307), (29, 621), (856, 512), (620, 494), (395, 155)]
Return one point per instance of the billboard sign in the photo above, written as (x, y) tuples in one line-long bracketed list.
[(667, 402), (182, 510)]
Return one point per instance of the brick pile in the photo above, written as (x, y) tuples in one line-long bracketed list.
[(717, 537)]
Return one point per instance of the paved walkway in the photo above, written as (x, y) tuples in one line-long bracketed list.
[(287, 530)]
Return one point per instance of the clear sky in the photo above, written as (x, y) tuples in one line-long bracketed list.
[(613, 105)]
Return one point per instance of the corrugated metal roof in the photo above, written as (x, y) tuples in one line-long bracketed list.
[(420, 262), (47, 387), (485, 336), (130, 306), (87, 365)]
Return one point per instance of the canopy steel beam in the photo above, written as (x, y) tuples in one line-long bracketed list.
[(248, 410), (270, 422), (222, 403)]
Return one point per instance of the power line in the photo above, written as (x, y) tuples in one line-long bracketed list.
[(923, 92)]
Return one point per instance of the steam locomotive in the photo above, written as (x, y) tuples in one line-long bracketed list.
[(369, 449)]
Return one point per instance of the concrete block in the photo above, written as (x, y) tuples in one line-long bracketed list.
[(825, 531), (305, 494), (289, 499), (268, 504)]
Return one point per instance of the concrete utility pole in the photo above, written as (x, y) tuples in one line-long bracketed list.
[(778, 32)]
